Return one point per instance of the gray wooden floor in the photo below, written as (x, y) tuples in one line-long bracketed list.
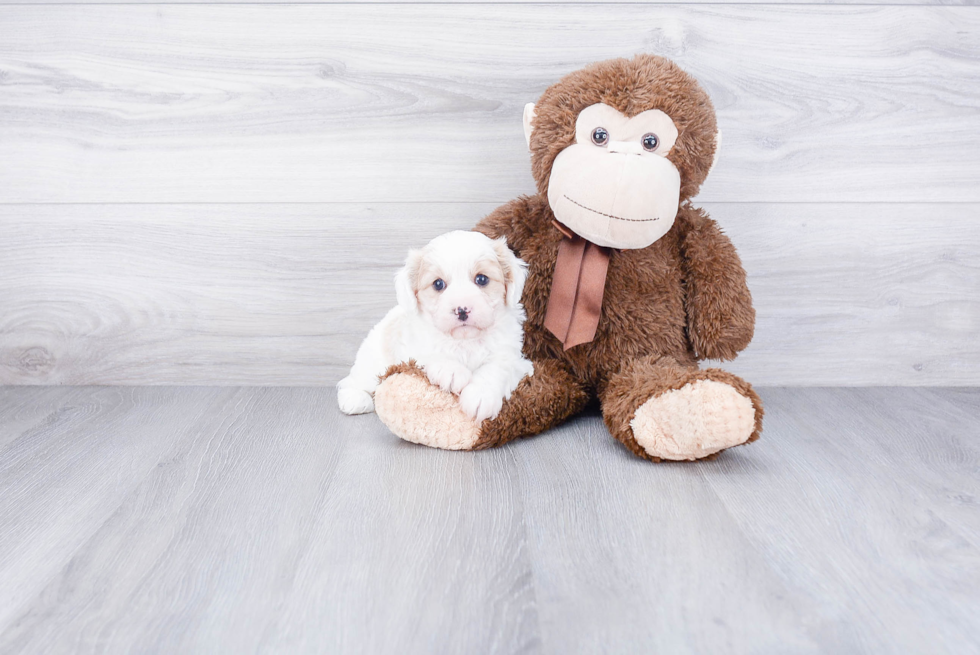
[(214, 520)]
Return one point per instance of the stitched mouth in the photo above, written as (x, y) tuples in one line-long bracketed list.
[(618, 218)]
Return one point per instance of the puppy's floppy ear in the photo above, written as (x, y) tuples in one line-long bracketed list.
[(515, 271), (406, 281)]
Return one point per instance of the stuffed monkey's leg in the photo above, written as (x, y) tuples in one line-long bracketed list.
[(661, 409), (420, 412)]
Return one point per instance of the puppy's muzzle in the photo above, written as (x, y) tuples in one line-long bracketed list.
[(462, 313)]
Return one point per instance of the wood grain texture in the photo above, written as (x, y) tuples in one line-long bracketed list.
[(371, 103), (895, 465), (113, 437), (283, 294), (260, 520)]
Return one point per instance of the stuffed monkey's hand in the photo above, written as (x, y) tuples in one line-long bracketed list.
[(447, 374), (721, 319)]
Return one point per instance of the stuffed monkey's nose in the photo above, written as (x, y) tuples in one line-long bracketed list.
[(462, 313), (625, 147)]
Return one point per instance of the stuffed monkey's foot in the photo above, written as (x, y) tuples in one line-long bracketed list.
[(661, 409), (422, 413), (699, 419)]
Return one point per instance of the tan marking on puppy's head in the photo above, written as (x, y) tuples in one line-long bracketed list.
[(495, 288), (514, 271), (425, 290)]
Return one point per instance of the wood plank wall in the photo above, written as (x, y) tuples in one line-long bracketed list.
[(219, 193)]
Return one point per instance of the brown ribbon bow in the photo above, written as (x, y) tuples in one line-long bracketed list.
[(576, 290)]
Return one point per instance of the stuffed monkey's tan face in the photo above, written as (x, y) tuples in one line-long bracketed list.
[(615, 186)]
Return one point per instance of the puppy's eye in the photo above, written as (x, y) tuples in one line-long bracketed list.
[(600, 136), (439, 284), (482, 280), (650, 142)]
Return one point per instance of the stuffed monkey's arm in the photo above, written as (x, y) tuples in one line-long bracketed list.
[(720, 316)]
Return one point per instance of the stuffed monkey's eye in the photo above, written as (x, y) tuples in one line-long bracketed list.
[(439, 284), (650, 142), (481, 280), (600, 136)]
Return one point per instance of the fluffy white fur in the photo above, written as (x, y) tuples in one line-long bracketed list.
[(465, 332)]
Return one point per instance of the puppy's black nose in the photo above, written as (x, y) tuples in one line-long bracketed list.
[(462, 313)]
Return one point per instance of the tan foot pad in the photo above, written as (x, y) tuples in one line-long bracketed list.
[(697, 420), (424, 414)]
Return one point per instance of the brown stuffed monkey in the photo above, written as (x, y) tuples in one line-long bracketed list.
[(628, 285)]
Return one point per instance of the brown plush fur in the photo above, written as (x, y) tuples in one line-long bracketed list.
[(681, 299), (632, 86), (657, 300), (538, 403)]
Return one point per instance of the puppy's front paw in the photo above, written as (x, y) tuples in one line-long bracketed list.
[(480, 401), (448, 375), (355, 401)]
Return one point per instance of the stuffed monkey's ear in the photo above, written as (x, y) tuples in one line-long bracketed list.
[(515, 271), (714, 160), (528, 117), (406, 280)]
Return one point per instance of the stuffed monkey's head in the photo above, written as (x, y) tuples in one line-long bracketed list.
[(619, 145)]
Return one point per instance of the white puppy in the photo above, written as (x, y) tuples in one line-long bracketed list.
[(459, 317)]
